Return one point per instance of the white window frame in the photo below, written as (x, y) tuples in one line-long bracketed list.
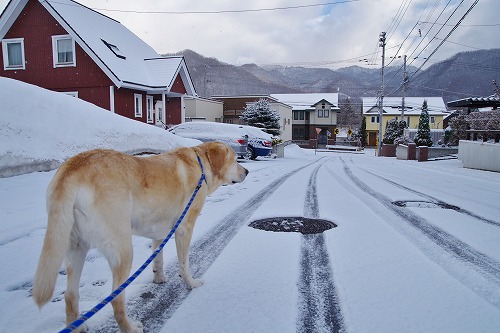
[(55, 51), (149, 109), (432, 119), (138, 105), (375, 119), (6, 64)]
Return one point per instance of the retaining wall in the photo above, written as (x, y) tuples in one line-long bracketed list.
[(479, 155)]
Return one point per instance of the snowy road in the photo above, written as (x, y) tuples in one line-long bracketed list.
[(416, 249)]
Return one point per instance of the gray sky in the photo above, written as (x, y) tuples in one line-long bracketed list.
[(337, 34)]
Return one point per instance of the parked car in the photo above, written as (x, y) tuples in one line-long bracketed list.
[(233, 135), (260, 143)]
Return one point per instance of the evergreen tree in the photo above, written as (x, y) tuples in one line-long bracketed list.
[(362, 132), (423, 136), (259, 114), (393, 130)]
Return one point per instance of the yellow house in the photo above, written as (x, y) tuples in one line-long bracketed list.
[(392, 110)]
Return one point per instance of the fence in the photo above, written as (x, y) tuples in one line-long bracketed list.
[(436, 134)]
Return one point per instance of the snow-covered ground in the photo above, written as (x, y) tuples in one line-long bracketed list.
[(419, 266)]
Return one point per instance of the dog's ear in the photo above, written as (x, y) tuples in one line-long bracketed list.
[(216, 154)]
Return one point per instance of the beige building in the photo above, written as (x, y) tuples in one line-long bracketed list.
[(314, 115), (202, 109)]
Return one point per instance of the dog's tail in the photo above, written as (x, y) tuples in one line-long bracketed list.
[(61, 198)]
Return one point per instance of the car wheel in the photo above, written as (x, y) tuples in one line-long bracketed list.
[(250, 154)]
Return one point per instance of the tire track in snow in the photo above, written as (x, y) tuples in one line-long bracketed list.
[(319, 308), (460, 258), (463, 211), (157, 303)]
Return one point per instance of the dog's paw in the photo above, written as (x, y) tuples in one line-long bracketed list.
[(194, 283), (159, 277), (136, 327)]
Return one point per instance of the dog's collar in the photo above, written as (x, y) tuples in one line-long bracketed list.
[(203, 177)]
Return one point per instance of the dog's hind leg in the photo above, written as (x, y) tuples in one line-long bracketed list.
[(75, 261), (158, 272)]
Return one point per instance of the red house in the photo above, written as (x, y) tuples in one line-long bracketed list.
[(64, 46)]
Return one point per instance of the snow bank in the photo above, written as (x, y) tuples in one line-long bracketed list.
[(39, 129)]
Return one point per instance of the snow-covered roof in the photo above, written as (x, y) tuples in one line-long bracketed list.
[(306, 101), (413, 105), (478, 102), (125, 58)]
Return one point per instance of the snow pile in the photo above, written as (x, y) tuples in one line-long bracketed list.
[(294, 150), (39, 129)]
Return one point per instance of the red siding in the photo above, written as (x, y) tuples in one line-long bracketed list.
[(178, 85), (125, 103), (37, 27)]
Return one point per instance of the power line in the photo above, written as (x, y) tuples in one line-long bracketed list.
[(428, 31), (449, 34), (361, 58), (225, 11), (400, 17), (449, 41), (467, 25)]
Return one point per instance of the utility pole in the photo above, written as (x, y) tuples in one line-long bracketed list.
[(405, 81), (381, 105)]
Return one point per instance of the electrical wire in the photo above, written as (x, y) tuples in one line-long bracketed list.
[(448, 35), (226, 11)]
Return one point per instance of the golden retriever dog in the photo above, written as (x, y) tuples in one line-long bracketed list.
[(100, 198)]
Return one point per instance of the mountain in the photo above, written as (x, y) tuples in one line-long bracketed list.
[(212, 77), (463, 75)]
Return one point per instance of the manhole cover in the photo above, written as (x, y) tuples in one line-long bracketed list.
[(424, 204), (293, 224)]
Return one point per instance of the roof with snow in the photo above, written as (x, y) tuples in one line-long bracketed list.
[(413, 105), (492, 101), (125, 58), (307, 101)]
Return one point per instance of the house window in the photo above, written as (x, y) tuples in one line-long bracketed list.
[(298, 134), (138, 105), (433, 119), (375, 119), (13, 54), (63, 48), (149, 108), (320, 113), (298, 115), (160, 115), (407, 122)]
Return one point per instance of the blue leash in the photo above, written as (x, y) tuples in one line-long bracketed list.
[(125, 284)]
